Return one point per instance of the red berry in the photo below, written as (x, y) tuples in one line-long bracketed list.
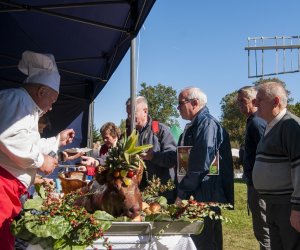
[(130, 174)]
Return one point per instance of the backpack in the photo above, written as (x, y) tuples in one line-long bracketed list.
[(156, 130)]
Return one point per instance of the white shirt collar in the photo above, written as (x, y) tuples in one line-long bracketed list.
[(275, 120), (39, 110)]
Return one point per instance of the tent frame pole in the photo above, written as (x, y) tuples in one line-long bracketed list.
[(133, 81)]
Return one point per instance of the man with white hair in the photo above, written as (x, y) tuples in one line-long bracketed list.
[(22, 152), (208, 140), (162, 157), (276, 172), (255, 129)]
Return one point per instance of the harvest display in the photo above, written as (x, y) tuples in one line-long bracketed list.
[(79, 217)]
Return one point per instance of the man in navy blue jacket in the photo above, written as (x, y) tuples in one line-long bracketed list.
[(208, 139), (254, 132)]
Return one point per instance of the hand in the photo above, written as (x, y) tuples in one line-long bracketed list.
[(82, 168), (295, 220), (49, 181), (66, 136), (88, 161), (178, 201), (49, 164), (147, 156), (39, 180), (71, 156)]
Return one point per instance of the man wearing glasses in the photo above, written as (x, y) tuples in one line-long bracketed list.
[(209, 142)]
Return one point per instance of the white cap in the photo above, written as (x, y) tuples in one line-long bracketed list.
[(40, 68)]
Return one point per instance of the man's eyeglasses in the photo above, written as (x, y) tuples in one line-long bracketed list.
[(186, 101)]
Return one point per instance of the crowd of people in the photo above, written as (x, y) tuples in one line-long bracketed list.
[(271, 158)]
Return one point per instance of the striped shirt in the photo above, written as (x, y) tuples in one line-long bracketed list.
[(276, 170)]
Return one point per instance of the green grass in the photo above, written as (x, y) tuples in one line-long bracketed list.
[(238, 234)]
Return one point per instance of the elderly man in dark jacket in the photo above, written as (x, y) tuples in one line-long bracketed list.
[(255, 128), (161, 159), (208, 140)]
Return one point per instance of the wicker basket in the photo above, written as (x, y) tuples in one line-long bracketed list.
[(72, 181)]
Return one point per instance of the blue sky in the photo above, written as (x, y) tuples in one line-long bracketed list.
[(199, 43)]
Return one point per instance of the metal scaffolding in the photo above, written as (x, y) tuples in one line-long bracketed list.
[(263, 51)]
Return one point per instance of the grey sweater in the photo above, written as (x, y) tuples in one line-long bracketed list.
[(276, 172)]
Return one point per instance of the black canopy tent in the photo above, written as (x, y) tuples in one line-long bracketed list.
[(88, 40)]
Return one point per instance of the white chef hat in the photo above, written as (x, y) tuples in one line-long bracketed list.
[(40, 68)]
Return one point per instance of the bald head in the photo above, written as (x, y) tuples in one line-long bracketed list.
[(274, 89), (271, 99)]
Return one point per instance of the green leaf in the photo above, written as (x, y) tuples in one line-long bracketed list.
[(66, 244), (40, 190), (127, 157), (18, 229), (55, 227), (132, 139), (102, 215), (138, 149), (158, 217), (162, 201), (105, 225), (35, 203), (123, 219)]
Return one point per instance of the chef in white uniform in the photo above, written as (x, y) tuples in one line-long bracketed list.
[(22, 151)]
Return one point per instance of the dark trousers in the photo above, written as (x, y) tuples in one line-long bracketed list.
[(257, 206), (211, 237), (282, 235)]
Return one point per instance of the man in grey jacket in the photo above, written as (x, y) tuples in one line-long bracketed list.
[(277, 166), (162, 157)]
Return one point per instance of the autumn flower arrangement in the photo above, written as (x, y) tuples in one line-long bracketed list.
[(56, 223), (188, 210)]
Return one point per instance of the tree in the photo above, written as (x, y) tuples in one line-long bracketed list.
[(162, 102), (232, 120), (96, 134), (294, 108), (123, 126)]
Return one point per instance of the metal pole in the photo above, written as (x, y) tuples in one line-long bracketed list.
[(133, 81), (298, 55), (249, 59), (283, 43), (262, 58), (277, 61), (90, 125)]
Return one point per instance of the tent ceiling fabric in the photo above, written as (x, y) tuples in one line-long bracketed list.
[(88, 40)]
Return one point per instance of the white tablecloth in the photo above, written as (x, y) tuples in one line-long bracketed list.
[(169, 242), (141, 235)]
